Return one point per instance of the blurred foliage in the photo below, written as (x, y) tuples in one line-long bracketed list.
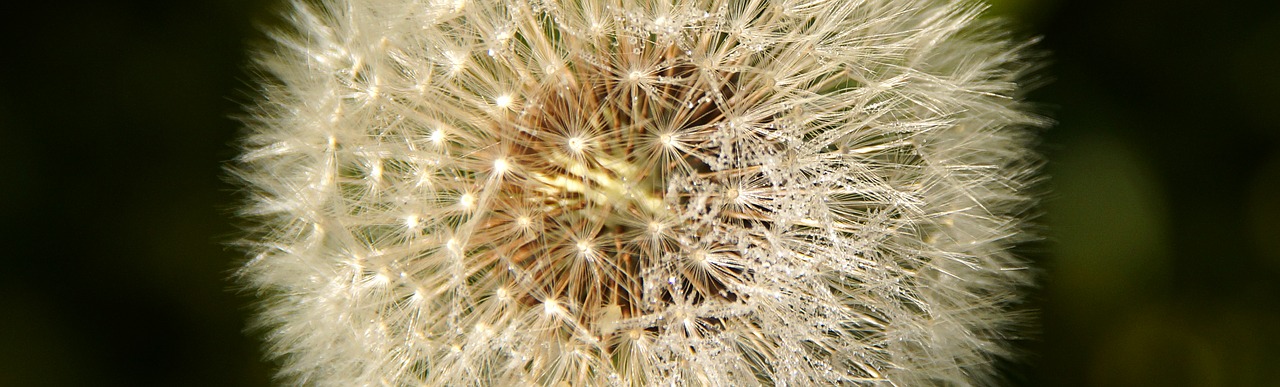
[(115, 123), (1165, 191), (1163, 214)]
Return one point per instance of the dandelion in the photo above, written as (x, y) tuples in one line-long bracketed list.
[(635, 193)]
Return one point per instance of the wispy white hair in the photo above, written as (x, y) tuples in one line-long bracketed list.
[(638, 192)]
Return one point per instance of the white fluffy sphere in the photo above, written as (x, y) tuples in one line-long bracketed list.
[(637, 192)]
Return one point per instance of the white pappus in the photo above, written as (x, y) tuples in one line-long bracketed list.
[(638, 192)]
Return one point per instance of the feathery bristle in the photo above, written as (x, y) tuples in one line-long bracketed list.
[(630, 192)]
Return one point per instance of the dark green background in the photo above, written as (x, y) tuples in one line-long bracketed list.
[(1160, 264)]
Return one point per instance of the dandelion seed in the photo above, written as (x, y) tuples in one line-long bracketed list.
[(503, 101), (437, 137), (577, 144), (551, 307), (467, 200), (638, 193)]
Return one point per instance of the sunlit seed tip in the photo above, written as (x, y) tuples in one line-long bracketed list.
[(551, 307), (699, 256), (380, 279), (457, 61), (437, 136), (503, 101), (577, 145), (467, 200), (500, 165), (666, 140), (731, 194)]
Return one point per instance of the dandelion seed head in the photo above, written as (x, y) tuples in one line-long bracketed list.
[(704, 192)]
